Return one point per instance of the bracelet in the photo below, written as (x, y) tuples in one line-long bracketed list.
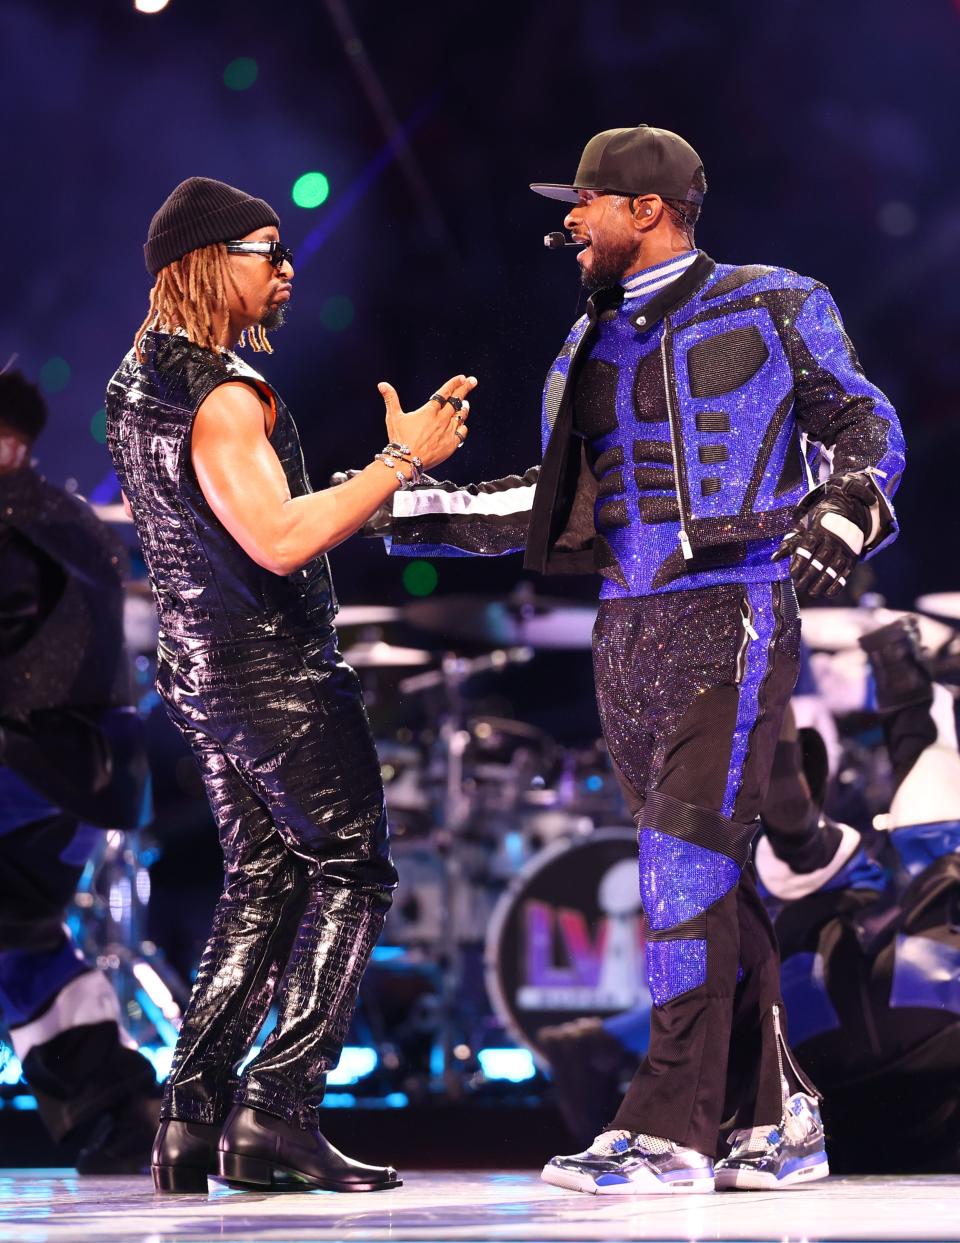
[(393, 453), (406, 481), (403, 452)]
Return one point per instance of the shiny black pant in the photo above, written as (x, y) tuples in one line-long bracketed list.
[(691, 702), (279, 730)]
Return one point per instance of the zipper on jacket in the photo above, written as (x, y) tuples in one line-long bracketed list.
[(685, 545), (746, 613), (749, 632)]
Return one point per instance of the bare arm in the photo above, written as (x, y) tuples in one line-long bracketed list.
[(243, 482)]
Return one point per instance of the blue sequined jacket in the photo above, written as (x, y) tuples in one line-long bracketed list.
[(754, 384)]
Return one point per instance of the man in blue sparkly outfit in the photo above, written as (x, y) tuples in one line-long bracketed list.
[(682, 423)]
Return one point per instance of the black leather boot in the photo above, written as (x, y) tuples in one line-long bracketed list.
[(184, 1153), (262, 1151)]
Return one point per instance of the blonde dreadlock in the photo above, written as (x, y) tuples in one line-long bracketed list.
[(191, 294)]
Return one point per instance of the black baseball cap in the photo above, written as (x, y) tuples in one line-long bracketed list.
[(639, 160)]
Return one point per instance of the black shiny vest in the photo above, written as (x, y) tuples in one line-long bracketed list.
[(205, 585)]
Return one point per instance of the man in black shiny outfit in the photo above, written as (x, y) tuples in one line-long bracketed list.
[(235, 543)]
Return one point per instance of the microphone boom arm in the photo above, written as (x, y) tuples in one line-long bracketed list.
[(558, 241)]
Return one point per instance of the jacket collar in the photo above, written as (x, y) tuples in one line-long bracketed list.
[(675, 294), (644, 283), (602, 301), (662, 303)]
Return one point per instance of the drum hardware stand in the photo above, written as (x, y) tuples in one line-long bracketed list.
[(454, 810), (109, 918), (453, 741)]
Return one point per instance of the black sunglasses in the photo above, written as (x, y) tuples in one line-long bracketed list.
[(273, 252)]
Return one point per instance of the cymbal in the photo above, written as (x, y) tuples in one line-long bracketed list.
[(837, 630), (380, 655), (114, 514), (945, 604), (529, 621), (367, 614)]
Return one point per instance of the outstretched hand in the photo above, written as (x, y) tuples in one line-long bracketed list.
[(438, 427)]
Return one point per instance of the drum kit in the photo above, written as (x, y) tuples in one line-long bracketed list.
[(518, 903), (477, 800), (516, 848)]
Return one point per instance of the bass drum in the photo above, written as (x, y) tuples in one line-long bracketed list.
[(567, 938)]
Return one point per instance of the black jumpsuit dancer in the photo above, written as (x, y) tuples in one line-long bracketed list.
[(250, 672)]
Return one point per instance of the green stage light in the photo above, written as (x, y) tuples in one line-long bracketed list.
[(98, 426), (241, 73), (420, 578), (310, 190), (55, 375), (337, 313)]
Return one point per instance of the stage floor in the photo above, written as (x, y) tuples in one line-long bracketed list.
[(55, 1206)]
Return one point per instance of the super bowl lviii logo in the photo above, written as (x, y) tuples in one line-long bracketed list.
[(587, 957)]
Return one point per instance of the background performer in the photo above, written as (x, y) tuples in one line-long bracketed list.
[(72, 763)]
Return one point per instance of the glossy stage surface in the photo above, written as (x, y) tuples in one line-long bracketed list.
[(55, 1206)]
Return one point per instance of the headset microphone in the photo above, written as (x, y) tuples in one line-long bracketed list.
[(557, 241)]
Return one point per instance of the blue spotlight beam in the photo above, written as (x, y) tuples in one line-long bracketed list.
[(343, 204), (372, 86)]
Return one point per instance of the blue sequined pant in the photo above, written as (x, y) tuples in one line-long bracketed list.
[(279, 730), (691, 705)]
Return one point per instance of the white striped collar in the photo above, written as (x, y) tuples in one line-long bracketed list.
[(652, 280)]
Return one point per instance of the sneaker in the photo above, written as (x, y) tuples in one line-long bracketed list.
[(627, 1163), (776, 1158)]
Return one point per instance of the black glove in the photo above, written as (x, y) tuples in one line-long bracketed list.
[(828, 544)]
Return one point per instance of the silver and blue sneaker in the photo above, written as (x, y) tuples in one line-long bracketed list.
[(628, 1163), (764, 1158)]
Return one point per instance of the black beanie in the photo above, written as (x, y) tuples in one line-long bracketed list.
[(198, 213)]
